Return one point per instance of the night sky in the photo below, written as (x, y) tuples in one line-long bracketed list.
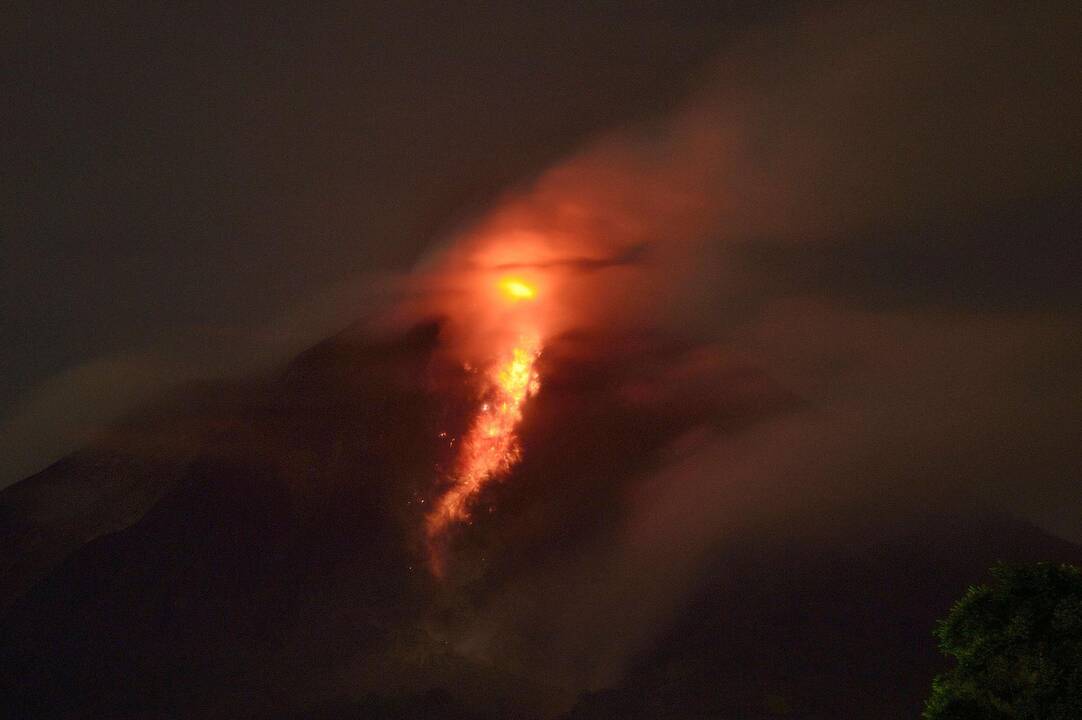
[(807, 332)]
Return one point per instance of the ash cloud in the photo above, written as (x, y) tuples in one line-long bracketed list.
[(779, 312), (874, 208), (180, 179)]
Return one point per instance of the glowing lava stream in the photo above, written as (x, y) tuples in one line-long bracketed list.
[(490, 446)]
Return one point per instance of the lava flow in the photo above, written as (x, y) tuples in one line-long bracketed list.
[(490, 447)]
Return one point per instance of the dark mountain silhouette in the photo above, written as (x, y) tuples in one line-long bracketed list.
[(256, 551)]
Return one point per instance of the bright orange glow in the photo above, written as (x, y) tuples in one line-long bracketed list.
[(517, 289), (490, 447)]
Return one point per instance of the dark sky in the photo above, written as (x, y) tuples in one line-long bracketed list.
[(192, 171)]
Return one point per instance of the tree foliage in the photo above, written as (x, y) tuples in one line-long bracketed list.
[(1018, 647)]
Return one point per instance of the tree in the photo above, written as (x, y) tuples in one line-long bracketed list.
[(1018, 647)]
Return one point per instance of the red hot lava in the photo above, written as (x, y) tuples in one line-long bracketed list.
[(490, 447)]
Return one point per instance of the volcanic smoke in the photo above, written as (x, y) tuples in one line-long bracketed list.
[(490, 447)]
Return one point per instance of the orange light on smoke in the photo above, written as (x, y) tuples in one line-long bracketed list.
[(516, 289)]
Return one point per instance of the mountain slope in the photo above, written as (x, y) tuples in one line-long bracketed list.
[(267, 560)]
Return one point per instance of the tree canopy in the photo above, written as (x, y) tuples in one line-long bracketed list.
[(1017, 643)]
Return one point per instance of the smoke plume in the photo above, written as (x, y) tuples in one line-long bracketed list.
[(811, 229)]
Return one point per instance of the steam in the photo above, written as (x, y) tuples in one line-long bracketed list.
[(781, 299), (842, 137)]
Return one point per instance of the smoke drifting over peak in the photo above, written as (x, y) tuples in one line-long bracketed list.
[(863, 155), (832, 289), (873, 206), (860, 229)]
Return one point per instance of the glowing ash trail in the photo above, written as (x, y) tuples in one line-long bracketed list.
[(490, 447)]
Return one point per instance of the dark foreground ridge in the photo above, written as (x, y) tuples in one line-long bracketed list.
[(255, 552)]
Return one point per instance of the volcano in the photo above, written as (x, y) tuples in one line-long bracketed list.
[(259, 550)]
